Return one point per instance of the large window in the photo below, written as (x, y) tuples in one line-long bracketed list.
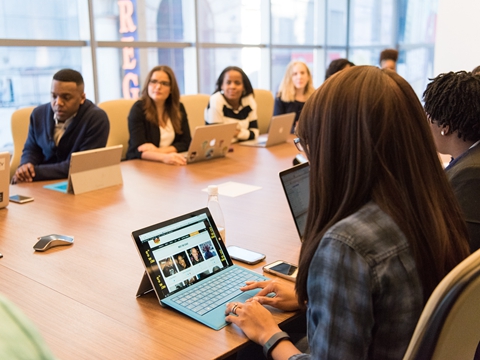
[(114, 43)]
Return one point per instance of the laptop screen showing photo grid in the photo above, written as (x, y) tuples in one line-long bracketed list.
[(181, 254)]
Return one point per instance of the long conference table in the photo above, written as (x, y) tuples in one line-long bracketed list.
[(82, 297)]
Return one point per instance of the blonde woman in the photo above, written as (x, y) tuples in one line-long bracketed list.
[(295, 88)]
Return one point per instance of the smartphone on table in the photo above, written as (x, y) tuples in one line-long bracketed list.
[(21, 199), (283, 269), (245, 255)]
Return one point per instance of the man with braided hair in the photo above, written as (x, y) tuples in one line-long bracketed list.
[(452, 104)]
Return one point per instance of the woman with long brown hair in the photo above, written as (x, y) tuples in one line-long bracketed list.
[(157, 122), (383, 225)]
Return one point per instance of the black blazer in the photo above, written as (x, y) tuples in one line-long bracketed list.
[(143, 131)]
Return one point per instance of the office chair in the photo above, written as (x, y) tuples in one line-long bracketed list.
[(195, 106), (19, 124), (117, 112), (449, 326), (265, 102)]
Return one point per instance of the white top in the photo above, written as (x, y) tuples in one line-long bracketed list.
[(220, 112), (167, 134)]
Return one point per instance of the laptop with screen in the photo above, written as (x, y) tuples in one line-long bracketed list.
[(278, 132), (189, 268), (4, 178), (296, 184), (210, 142), (92, 170)]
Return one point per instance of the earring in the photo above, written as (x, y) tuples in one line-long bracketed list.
[(442, 132), (244, 92), (221, 92)]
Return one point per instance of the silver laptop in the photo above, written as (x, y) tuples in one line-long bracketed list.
[(296, 184), (4, 178), (189, 268), (210, 142), (92, 170), (278, 132)]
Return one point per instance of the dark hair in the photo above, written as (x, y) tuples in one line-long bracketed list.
[(172, 104), (389, 54), (247, 85), (367, 138), (453, 99), (69, 75), (337, 65), (476, 71)]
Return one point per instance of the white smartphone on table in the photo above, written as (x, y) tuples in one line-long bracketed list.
[(21, 199), (245, 255), (283, 269)]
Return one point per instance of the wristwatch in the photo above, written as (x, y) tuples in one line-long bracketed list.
[(273, 342)]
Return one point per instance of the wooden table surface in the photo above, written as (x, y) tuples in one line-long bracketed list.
[(82, 297)]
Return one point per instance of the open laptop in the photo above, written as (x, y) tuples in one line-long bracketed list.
[(189, 268), (92, 170), (296, 184), (210, 142), (278, 132), (4, 178)]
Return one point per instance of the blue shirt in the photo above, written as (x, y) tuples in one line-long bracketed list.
[(365, 295)]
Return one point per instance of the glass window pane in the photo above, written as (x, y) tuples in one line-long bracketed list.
[(147, 20), (417, 22), (293, 22), (213, 61), (372, 22), (337, 22), (416, 66), (119, 80), (367, 56), (26, 76), (282, 57), (230, 22), (41, 20)]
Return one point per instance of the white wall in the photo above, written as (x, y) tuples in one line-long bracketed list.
[(457, 44)]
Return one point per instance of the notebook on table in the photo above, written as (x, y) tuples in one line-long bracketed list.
[(296, 185), (278, 132), (92, 170), (4, 178), (188, 267), (210, 142)]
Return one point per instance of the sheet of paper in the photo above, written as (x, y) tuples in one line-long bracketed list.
[(234, 189)]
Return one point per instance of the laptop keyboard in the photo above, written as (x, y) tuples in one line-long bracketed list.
[(216, 290)]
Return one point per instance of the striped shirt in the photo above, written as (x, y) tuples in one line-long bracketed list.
[(219, 111)]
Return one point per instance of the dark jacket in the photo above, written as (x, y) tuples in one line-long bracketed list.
[(143, 131), (88, 130)]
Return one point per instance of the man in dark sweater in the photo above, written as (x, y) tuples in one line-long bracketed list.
[(70, 123)]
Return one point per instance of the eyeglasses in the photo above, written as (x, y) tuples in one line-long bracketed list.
[(298, 144), (156, 82)]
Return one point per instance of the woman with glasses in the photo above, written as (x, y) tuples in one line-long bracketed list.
[(383, 225), (157, 122), (233, 102)]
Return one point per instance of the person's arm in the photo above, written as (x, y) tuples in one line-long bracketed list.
[(279, 107), (182, 141), (136, 129), (32, 152), (252, 131), (340, 303), (93, 134), (259, 326), (466, 186), (214, 110)]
